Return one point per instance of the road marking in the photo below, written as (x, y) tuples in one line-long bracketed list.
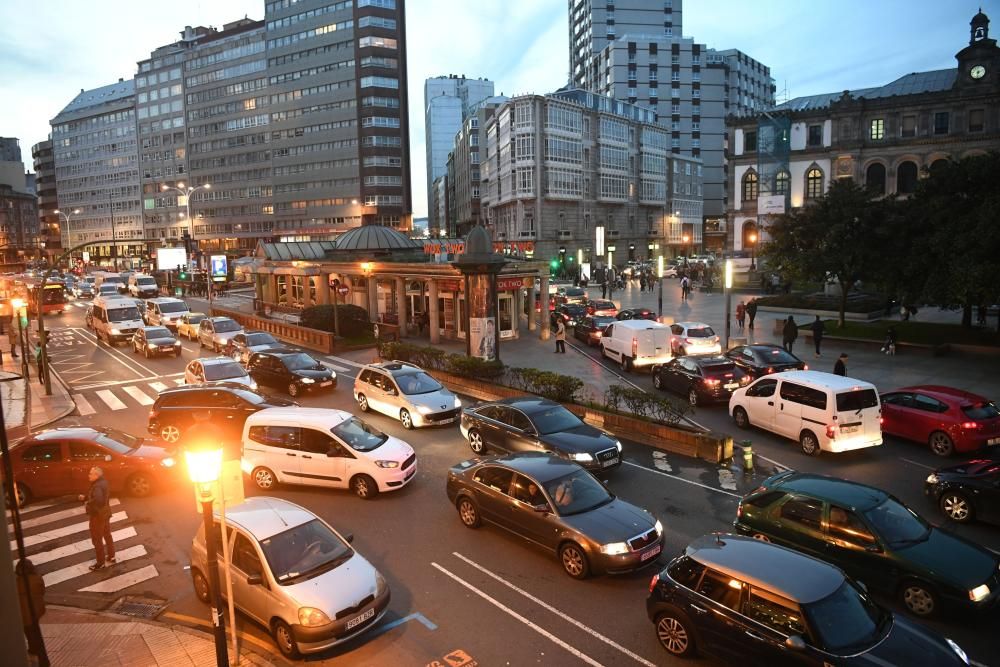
[(919, 465), (660, 461), (157, 386), (726, 479), (399, 621), (119, 356), (138, 395), (34, 507), (80, 569), (78, 547), (178, 381), (110, 383), (56, 533), (122, 580), (557, 612), (59, 516), (681, 479), (83, 406), (341, 360), (335, 367), (542, 631), (111, 400)]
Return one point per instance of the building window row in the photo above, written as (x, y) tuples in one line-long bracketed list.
[(302, 168), (242, 49), (383, 200), (160, 93), (614, 157), (154, 110), (384, 102), (559, 149), (299, 205), (305, 16), (383, 180), (316, 108), (379, 121), (288, 40), (312, 129), (563, 118), (88, 124), (564, 182), (234, 71), (613, 130), (227, 108), (292, 151), (226, 91), (377, 42), (614, 187), (376, 22), (312, 71), (233, 125), (379, 82), (382, 4), (314, 185), (277, 61), (233, 176), (378, 141), (160, 77), (313, 90), (229, 142), (382, 161), (224, 161), (379, 61)]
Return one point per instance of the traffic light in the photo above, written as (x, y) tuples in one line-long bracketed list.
[(182, 274), (188, 245), (554, 264)]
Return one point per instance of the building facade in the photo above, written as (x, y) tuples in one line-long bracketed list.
[(887, 137), (18, 225), (48, 200), (11, 168)]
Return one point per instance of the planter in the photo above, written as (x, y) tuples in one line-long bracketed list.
[(828, 314)]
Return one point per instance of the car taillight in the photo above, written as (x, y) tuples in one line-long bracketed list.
[(653, 582), (635, 347), (881, 421), (711, 382), (969, 425), (831, 431), (805, 367), (770, 370), (739, 510)]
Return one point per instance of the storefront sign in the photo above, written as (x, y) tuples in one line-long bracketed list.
[(449, 286), (508, 284), (458, 247)]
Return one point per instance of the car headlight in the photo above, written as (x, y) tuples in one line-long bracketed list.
[(423, 409), (116, 332), (458, 402), (932, 478), (387, 464), (177, 343), (312, 617), (581, 456), (614, 549), (659, 527), (380, 585), (306, 380), (168, 462), (618, 444), (979, 593), (958, 650), (253, 385)]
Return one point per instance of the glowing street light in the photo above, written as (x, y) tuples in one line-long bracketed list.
[(753, 241)]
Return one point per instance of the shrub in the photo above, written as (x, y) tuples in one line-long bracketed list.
[(422, 355), (628, 400), (473, 367), (856, 303), (353, 320), (554, 386)]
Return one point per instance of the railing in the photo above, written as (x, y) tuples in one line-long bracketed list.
[(313, 339)]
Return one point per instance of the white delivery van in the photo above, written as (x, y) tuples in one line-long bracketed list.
[(142, 286), (165, 311), (821, 411), (109, 278), (115, 318), (636, 343)]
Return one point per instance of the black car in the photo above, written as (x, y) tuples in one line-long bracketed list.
[(637, 314), (226, 405), (758, 360), (154, 341), (748, 602), (531, 424), (560, 507), (701, 379), (293, 371), (968, 491), (570, 314), (591, 328)]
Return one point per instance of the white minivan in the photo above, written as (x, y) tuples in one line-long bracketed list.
[(324, 447), (115, 319), (822, 411), (636, 343)]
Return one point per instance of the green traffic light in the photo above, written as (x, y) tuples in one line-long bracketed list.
[(554, 263)]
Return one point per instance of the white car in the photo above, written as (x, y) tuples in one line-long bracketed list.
[(215, 370), (690, 338), (405, 392), (215, 332), (669, 271), (321, 447)]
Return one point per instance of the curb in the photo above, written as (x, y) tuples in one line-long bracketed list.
[(65, 412)]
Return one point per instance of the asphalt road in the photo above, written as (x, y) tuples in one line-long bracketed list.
[(482, 593)]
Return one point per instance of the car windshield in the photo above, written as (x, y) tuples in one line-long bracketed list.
[(701, 332), (575, 291), (981, 411), (225, 326), (224, 371), (173, 307), (576, 493), (195, 319), (554, 420), (358, 435), (776, 356), (158, 332), (300, 362), (417, 383), (260, 339), (847, 621), (146, 281), (117, 441), (719, 368), (122, 314), (108, 289), (602, 321), (896, 524), (575, 309), (304, 551)]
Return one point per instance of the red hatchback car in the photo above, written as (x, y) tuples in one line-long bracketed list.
[(949, 420), (56, 463)]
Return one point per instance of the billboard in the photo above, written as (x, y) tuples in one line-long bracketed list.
[(220, 268), (168, 259), (771, 204)]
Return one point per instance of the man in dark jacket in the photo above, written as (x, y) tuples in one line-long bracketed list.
[(752, 312), (789, 333), (817, 331), (98, 505), (840, 368)]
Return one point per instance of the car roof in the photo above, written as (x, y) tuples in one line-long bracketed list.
[(940, 391), (212, 361), (71, 432), (527, 404), (266, 516), (692, 325), (640, 324), (764, 346), (854, 495), (303, 416), (788, 573), (147, 327), (206, 387), (396, 368), (821, 379), (710, 360), (163, 299), (540, 466), (220, 318)]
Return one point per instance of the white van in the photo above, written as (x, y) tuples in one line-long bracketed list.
[(165, 311), (109, 278), (115, 318), (142, 286), (636, 343), (821, 411), (322, 447)]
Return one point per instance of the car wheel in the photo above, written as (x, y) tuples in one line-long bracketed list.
[(675, 633), (364, 487), (918, 597), (406, 419), (956, 507), (200, 585), (626, 363), (657, 381), (293, 389), (363, 402), (693, 396), (170, 433), (146, 353), (21, 494), (574, 561), (468, 512), (476, 442), (285, 640), (941, 444), (264, 479), (761, 537), (139, 485), (809, 443), (741, 418)]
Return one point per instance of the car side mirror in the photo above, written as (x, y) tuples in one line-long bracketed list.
[(349, 537), (530, 431), (796, 643), (256, 579), (541, 509)]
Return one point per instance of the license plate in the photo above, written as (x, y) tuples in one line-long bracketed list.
[(993, 441), (326, 384), (849, 429), (731, 385), (609, 463), (652, 552), (360, 619)]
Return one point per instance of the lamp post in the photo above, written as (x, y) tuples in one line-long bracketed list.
[(66, 217), (728, 286), (753, 241), (186, 191), (659, 279)]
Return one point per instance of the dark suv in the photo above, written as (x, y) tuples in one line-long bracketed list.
[(748, 602), (225, 405)]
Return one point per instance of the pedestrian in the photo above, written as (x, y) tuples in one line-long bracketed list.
[(604, 289), (38, 359), (741, 315), (560, 336), (97, 502), (889, 347), (818, 331), (752, 312), (685, 287), (642, 282), (981, 314), (13, 335), (789, 333), (840, 368)]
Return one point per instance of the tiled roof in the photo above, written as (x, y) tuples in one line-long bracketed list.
[(910, 84), (110, 93)]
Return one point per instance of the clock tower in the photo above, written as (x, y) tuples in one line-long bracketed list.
[(979, 62)]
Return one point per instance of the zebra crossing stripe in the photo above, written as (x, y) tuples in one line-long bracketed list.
[(341, 360), (178, 381), (122, 580), (138, 395), (80, 569), (339, 369), (83, 406), (59, 516), (78, 547), (56, 533), (34, 507), (157, 386), (110, 399)]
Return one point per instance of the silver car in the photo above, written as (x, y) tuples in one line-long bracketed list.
[(293, 574), (407, 393), (215, 332)]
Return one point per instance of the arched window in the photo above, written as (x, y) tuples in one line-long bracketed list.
[(781, 182), (814, 183), (750, 186), (906, 178), (938, 164), (875, 178)]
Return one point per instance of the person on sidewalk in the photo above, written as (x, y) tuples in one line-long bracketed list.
[(889, 347), (752, 312), (560, 336), (789, 333), (38, 360), (840, 368), (12, 336), (818, 331), (685, 287), (741, 315), (98, 505)]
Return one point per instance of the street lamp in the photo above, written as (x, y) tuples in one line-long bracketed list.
[(186, 192), (66, 217), (687, 254), (753, 241), (728, 286)]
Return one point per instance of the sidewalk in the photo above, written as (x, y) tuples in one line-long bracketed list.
[(79, 638), (44, 409)]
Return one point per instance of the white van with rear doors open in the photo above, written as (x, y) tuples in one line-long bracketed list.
[(636, 343), (821, 411)]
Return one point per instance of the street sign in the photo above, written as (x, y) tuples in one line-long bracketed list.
[(220, 268), (343, 290), (86, 256)]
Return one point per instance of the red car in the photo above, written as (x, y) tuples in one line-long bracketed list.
[(602, 307), (948, 420), (56, 463)]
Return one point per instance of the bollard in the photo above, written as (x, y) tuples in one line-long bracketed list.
[(747, 456)]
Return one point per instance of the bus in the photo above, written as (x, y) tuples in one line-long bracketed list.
[(53, 296)]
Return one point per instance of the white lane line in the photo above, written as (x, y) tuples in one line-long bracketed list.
[(78, 547), (178, 381), (335, 367), (543, 632), (122, 580), (138, 395), (109, 383), (681, 479), (56, 533), (341, 360), (119, 356), (83, 406), (111, 400), (157, 386), (80, 569), (560, 614), (34, 507), (919, 465), (59, 516)]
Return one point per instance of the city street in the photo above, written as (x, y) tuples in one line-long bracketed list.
[(455, 592)]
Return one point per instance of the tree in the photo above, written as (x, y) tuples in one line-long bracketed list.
[(839, 236)]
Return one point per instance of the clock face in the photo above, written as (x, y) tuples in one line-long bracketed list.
[(977, 72)]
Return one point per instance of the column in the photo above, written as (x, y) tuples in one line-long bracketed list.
[(322, 283), (432, 311), (401, 305), (543, 314), (373, 298), (518, 309), (531, 305)]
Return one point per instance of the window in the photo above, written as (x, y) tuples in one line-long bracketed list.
[(686, 572), (859, 399), (875, 178), (749, 142), (44, 453), (803, 511), (815, 135), (796, 393), (775, 612), (496, 478), (84, 451), (876, 130), (814, 183), (316, 442), (941, 122), (976, 122), (245, 556), (845, 525), (286, 437), (909, 127), (763, 388), (928, 404), (528, 492), (906, 178), (782, 182), (721, 588), (750, 186)]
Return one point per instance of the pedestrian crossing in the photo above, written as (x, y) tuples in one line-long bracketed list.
[(141, 394)]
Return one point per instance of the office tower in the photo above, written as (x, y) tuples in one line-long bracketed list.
[(48, 201)]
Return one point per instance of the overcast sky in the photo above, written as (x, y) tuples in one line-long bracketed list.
[(50, 49)]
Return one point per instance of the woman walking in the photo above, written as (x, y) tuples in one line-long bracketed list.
[(741, 313)]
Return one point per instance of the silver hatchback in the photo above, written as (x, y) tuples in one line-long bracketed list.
[(294, 574), (407, 393)]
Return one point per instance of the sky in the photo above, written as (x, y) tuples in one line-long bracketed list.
[(50, 49)]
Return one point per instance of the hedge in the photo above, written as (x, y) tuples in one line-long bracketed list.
[(353, 320), (629, 400)]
